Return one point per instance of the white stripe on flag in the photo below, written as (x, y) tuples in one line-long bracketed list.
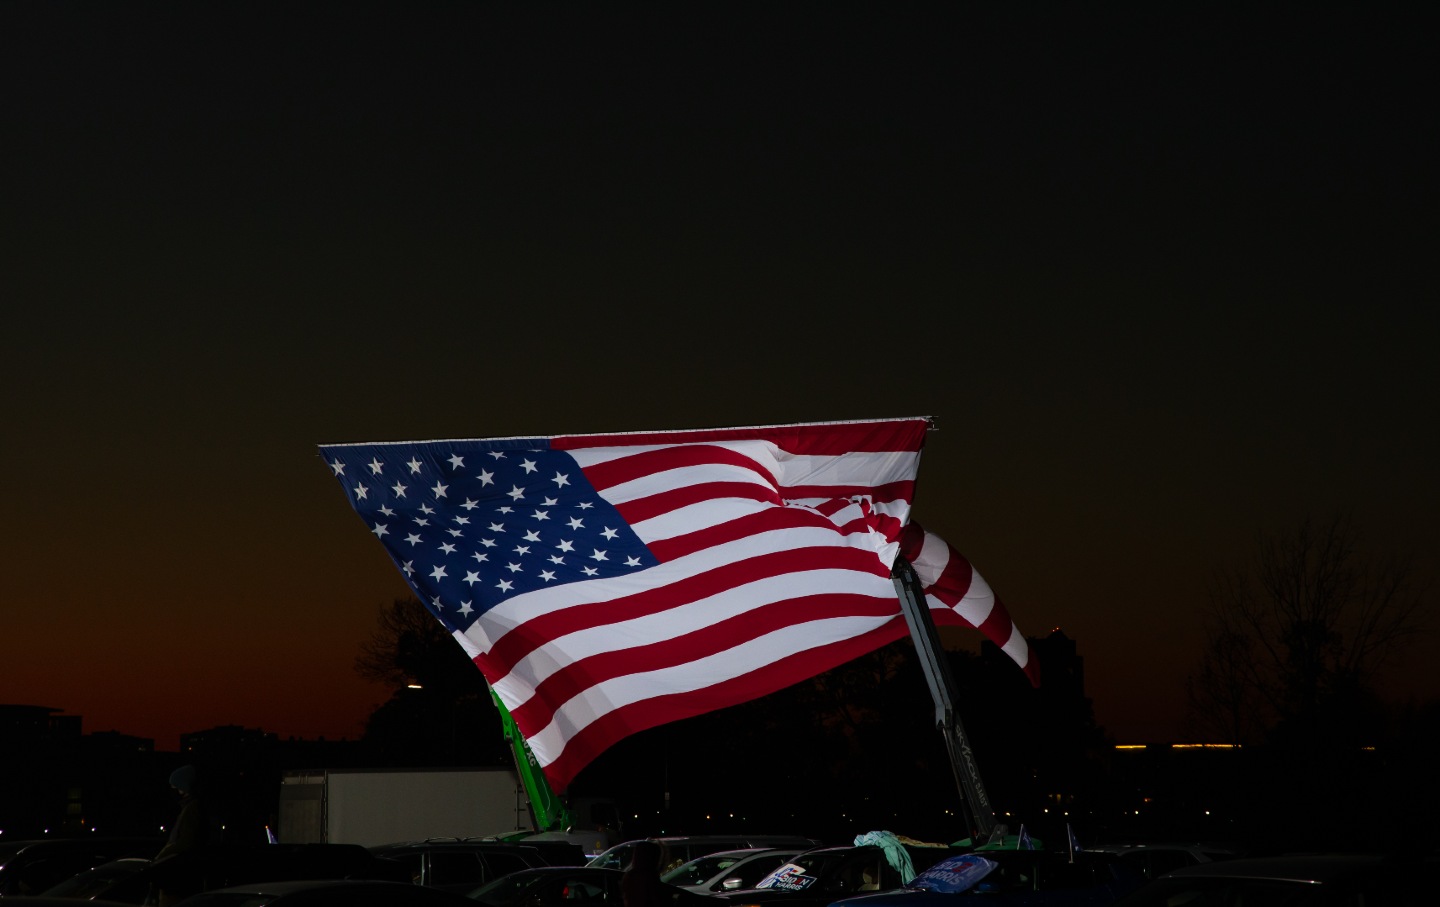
[(597, 701)]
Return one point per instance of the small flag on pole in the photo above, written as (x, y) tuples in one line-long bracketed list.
[(1023, 842), (1074, 844)]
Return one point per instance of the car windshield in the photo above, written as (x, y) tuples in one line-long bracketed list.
[(90, 883), (816, 863), (614, 858), (505, 889), (699, 870)]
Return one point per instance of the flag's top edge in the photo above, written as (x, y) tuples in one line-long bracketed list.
[(670, 431)]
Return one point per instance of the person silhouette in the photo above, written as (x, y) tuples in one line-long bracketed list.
[(195, 826), (641, 885)]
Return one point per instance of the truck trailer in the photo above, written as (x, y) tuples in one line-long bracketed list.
[(370, 806)]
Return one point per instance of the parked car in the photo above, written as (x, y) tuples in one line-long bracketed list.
[(459, 865), (227, 865), (1016, 878), (677, 849), (566, 848), (569, 886), (1297, 880), (91, 882), (1154, 860), (556, 886), (32, 866), (729, 870), (560, 850), (816, 877), (327, 893)]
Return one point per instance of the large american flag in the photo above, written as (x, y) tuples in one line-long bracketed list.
[(605, 584)]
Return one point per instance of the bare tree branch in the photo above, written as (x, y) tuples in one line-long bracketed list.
[(1309, 623)]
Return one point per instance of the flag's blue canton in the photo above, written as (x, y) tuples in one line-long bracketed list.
[(470, 526)]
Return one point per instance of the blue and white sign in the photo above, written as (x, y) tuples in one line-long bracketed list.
[(953, 875), (787, 878)]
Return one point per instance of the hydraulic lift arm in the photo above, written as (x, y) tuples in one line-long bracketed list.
[(548, 811), (942, 690)]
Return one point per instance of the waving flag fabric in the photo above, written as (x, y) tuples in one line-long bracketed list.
[(605, 584), (957, 595)]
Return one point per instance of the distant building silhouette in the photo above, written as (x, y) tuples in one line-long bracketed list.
[(228, 742), (39, 762), (55, 780), (100, 744), (36, 725)]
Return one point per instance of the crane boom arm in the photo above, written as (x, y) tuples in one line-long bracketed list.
[(942, 690), (547, 809)]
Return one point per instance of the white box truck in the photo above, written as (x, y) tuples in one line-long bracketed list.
[(381, 806)]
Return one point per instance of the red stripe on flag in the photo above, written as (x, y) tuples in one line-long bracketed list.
[(666, 501), (951, 587), (890, 491), (816, 439), (768, 520), (709, 640), (523, 639), (609, 729), (646, 463)]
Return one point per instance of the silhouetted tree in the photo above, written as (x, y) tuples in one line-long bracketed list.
[(1296, 637), (410, 647), (1295, 640), (440, 711), (1223, 699)]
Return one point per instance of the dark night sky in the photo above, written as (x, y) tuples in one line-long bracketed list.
[(1163, 273)]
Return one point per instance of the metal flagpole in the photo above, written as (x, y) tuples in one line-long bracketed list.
[(942, 690)]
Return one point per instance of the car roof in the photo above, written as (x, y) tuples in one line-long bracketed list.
[(454, 842), (749, 852), (35, 846), (252, 861), (1306, 867), (286, 886), (333, 891), (1189, 846), (708, 844), (564, 870), (939, 852), (741, 838), (1044, 854), (80, 841)]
